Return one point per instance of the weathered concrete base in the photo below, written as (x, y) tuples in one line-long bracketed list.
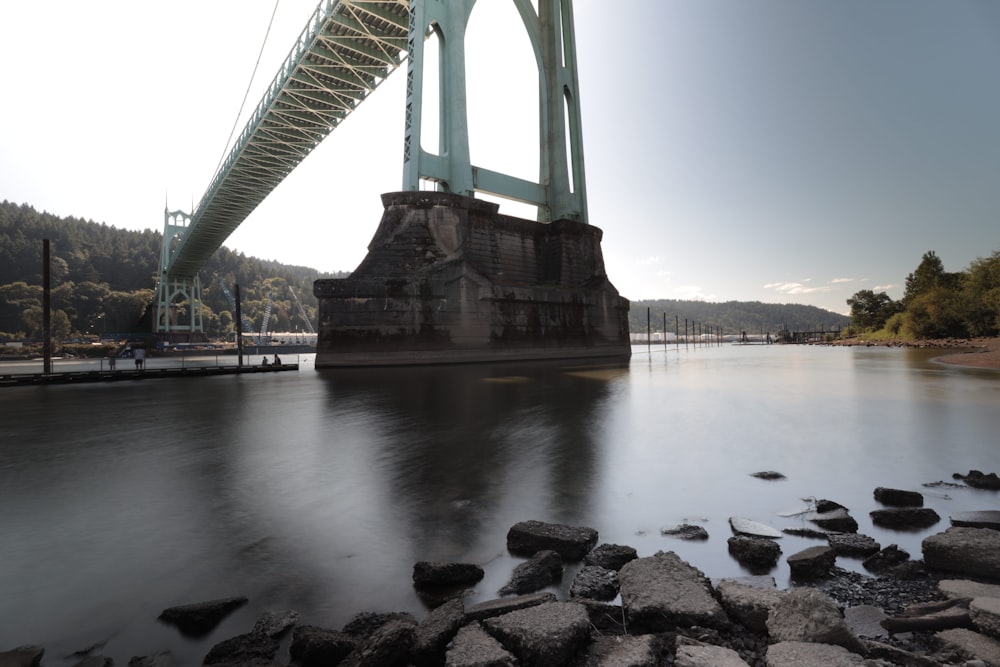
[(449, 280)]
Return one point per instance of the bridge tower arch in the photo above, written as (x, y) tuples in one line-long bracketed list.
[(560, 192), (172, 288)]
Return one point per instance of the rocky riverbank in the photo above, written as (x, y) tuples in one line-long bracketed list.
[(972, 352), (622, 609)]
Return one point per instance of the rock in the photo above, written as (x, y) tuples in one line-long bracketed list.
[(813, 533), (624, 651), (907, 518), (365, 624), (436, 630), (893, 655), (275, 624), (691, 653), (491, 608), (812, 563), (985, 615), (852, 544), (605, 618), (541, 570), (663, 591), (388, 646), (90, 661), (686, 531), (899, 498), (929, 616), (963, 588), (252, 649), (196, 620), (757, 553), (548, 635), (768, 475), (428, 573), (886, 559), (972, 551), (318, 647), (837, 518), (798, 654), (752, 528), (164, 659), (970, 644), (596, 583), (610, 556), (473, 647), (807, 615), (865, 620), (750, 605), (979, 519), (22, 656), (978, 480), (529, 537)]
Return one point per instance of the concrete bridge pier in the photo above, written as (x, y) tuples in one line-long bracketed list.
[(447, 279)]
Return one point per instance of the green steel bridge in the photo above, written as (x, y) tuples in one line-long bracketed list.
[(346, 50)]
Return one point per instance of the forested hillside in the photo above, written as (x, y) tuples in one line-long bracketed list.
[(103, 279), (734, 316)]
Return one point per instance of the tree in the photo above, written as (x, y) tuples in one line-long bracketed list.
[(929, 275), (869, 311)]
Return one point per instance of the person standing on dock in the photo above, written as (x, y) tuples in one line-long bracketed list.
[(139, 354), (277, 361)]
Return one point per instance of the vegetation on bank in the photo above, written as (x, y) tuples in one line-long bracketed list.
[(732, 317), (935, 303), (103, 280)]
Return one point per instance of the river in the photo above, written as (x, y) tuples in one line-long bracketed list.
[(319, 490)]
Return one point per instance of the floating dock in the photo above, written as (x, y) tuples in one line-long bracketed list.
[(81, 377)]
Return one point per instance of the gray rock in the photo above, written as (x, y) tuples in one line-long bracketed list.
[(549, 635), (865, 621), (541, 570), (750, 605), (852, 544), (22, 656), (663, 591), (974, 551), (90, 661), (768, 475), (491, 608), (906, 518), (893, 655), (610, 556), (436, 630), (886, 559), (164, 659), (969, 643), (963, 588), (275, 624), (571, 542), (365, 624), (977, 519), (686, 531), (812, 563), (691, 653), (430, 573), (838, 519), (800, 654), (807, 615), (624, 651), (751, 528), (317, 647), (200, 618), (757, 553), (389, 646), (473, 647), (899, 497), (979, 480), (251, 649), (596, 583), (605, 618), (985, 615)]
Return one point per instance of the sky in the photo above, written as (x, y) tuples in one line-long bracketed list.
[(784, 151)]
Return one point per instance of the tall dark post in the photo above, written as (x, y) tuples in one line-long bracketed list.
[(677, 330), (239, 326), (46, 309), (649, 331), (664, 332)]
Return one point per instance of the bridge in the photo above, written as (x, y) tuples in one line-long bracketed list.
[(347, 49)]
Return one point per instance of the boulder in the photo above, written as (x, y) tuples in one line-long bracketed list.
[(663, 591), (604, 618), (750, 605), (905, 518), (963, 588), (200, 618), (491, 608), (571, 542), (595, 583), (255, 649), (979, 480), (429, 573), (610, 556), (752, 528), (542, 569), (89, 661), (899, 497), (692, 653), (768, 475), (971, 551), (624, 651), (836, 518), (549, 635), (985, 615), (436, 630), (389, 646), (473, 647), (885, 559), (977, 519), (686, 531), (757, 553), (968, 643), (812, 563), (808, 615), (275, 624), (852, 544), (798, 654), (317, 647), (365, 624), (164, 659), (865, 620), (22, 656)]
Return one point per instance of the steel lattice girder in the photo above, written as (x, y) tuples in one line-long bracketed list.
[(347, 49)]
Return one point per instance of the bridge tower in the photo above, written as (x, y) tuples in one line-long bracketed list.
[(172, 289), (560, 192)]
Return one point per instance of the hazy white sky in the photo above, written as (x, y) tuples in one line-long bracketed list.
[(774, 150)]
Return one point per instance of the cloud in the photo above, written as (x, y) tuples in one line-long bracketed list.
[(883, 288), (654, 259), (843, 280), (694, 293), (797, 288)]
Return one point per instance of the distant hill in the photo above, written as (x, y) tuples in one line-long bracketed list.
[(733, 316)]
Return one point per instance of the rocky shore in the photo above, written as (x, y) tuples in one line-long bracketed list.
[(971, 352), (631, 611)]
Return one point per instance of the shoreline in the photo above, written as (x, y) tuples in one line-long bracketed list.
[(966, 352)]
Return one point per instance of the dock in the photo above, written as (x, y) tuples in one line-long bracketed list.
[(107, 375)]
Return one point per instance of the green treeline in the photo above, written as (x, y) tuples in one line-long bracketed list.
[(103, 280), (935, 303), (732, 317)]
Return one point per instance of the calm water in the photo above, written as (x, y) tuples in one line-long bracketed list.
[(318, 491)]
